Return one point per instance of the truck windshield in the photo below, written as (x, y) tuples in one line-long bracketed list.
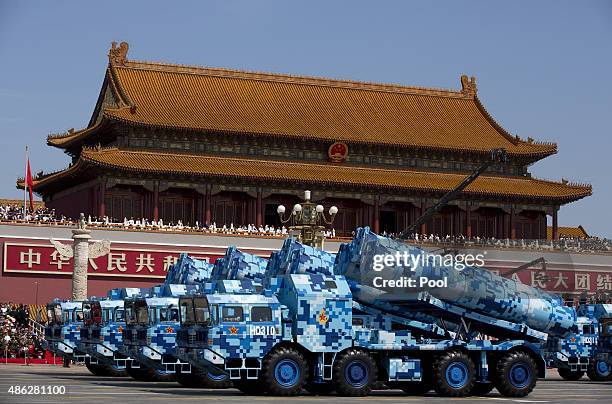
[(186, 309), (130, 312), (202, 311), (118, 317), (54, 313), (142, 312)]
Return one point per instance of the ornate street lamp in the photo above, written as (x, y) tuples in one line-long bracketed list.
[(308, 221)]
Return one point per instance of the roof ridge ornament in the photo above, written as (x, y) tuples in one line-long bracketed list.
[(117, 55), (468, 86)]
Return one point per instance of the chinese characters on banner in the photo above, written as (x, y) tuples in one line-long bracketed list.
[(127, 261), (145, 263)]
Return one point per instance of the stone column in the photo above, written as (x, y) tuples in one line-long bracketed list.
[(80, 239)]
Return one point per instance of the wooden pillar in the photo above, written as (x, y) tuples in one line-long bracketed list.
[(101, 199), (555, 223), (156, 201), (512, 223), (259, 210), (423, 229), (207, 206), (376, 216), (468, 220)]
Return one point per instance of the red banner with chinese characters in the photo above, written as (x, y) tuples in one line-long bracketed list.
[(121, 261)]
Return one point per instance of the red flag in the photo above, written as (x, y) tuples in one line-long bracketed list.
[(29, 184)]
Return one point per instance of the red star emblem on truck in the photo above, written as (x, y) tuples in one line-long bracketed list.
[(233, 330), (120, 329), (322, 318), (169, 330)]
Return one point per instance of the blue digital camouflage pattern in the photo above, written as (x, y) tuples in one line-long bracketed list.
[(297, 258), (189, 271), (238, 265), (403, 369), (249, 337), (322, 311), (472, 288)]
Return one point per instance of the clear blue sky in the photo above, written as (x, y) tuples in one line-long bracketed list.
[(543, 67)]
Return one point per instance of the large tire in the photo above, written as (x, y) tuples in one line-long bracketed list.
[(96, 370), (599, 371), (145, 374), (454, 374), (482, 389), (284, 372), (516, 374), (205, 380), (355, 373), (567, 374)]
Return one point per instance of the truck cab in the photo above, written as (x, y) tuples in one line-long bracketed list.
[(603, 357), (230, 334), (573, 355), (102, 335), (149, 336), (63, 333)]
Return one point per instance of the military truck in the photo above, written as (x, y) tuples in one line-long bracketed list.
[(320, 324), (100, 336), (601, 366), (62, 332)]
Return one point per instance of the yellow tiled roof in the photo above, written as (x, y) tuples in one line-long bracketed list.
[(210, 99), (573, 232), (320, 174)]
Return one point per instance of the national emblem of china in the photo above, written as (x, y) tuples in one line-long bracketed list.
[(337, 152)]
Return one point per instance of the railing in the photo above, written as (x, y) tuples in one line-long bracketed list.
[(595, 245), (36, 327)]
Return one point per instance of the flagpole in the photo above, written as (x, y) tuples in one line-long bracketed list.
[(25, 185)]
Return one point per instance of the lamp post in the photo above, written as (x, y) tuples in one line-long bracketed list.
[(307, 220)]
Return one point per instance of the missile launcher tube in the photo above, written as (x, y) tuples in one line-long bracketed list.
[(473, 288)]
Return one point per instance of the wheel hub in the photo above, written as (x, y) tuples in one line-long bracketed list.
[(457, 374), (356, 374), (603, 368), (520, 375), (287, 373)]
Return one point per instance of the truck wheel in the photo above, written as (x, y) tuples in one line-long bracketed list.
[(482, 389), (516, 375), (144, 374), (599, 371), (206, 380), (284, 372), (113, 371), (355, 372), (96, 370), (454, 374), (567, 374), (416, 388)]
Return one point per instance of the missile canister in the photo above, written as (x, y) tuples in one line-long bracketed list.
[(238, 265), (471, 287)]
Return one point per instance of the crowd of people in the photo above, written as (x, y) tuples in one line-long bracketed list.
[(567, 244), (17, 339), (41, 215)]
